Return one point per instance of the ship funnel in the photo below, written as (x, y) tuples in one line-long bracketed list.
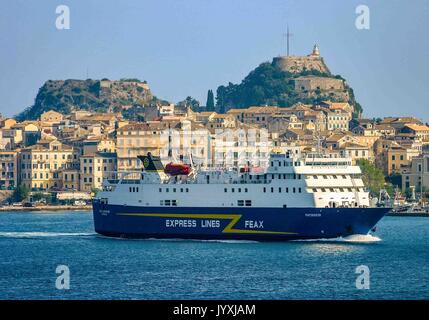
[(151, 163)]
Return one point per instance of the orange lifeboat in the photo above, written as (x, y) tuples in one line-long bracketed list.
[(176, 169)]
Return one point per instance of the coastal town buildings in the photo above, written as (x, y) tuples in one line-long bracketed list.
[(8, 169), (419, 131), (96, 167), (392, 157), (417, 176), (247, 145), (41, 164), (70, 178), (77, 151), (356, 151), (168, 139), (51, 116), (138, 139)]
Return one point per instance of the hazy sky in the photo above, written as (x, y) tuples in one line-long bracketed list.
[(185, 47)]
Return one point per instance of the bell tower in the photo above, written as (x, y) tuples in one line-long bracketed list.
[(316, 51)]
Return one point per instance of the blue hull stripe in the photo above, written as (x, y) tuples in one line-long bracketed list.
[(261, 224)]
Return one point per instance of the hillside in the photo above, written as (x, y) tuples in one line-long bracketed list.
[(283, 82), (286, 81), (93, 95)]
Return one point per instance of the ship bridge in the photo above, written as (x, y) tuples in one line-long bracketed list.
[(334, 181)]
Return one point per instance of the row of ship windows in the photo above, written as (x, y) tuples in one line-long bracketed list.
[(238, 190), (326, 177), (240, 203), (338, 190), (286, 176), (285, 163), (283, 176), (175, 190), (284, 190), (168, 203), (280, 190), (136, 189), (272, 189), (298, 176)]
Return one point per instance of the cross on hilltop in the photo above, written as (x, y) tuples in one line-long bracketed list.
[(287, 35)]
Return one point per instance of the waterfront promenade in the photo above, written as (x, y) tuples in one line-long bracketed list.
[(46, 208)]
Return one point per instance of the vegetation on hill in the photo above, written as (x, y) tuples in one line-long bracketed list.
[(132, 80), (372, 176), (268, 85), (265, 85), (65, 96), (193, 103)]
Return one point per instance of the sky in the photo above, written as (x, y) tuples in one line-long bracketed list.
[(185, 47)]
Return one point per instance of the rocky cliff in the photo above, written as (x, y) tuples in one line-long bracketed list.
[(92, 95)]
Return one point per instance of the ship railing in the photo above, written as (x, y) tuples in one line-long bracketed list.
[(313, 159), (340, 164), (217, 168), (141, 177), (316, 155), (253, 182), (118, 177)]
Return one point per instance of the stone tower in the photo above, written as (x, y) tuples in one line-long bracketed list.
[(316, 51)]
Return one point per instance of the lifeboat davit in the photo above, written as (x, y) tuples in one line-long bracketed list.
[(175, 169)]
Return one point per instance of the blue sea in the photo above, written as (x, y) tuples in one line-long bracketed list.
[(32, 245)]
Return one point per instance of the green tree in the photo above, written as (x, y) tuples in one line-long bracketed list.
[(37, 196), (372, 176), (220, 99), (130, 80), (20, 193), (190, 102), (395, 179), (210, 105)]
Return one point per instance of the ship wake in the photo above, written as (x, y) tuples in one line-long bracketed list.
[(354, 238), (361, 238), (43, 234)]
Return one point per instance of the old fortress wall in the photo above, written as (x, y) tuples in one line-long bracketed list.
[(298, 64), (308, 86)]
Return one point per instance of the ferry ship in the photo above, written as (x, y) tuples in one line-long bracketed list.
[(294, 197)]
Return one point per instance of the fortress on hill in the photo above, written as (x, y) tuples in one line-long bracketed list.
[(311, 85), (298, 64)]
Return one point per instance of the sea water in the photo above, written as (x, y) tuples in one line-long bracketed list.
[(33, 245)]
